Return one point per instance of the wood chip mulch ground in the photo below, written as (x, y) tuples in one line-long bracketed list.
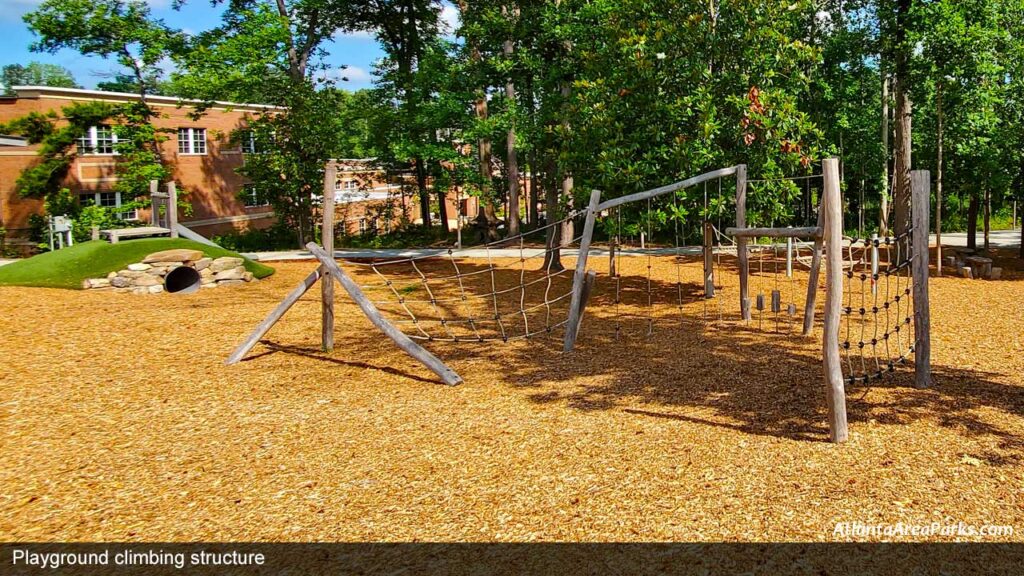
[(119, 422)]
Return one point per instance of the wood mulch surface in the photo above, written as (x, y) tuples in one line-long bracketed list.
[(119, 422)]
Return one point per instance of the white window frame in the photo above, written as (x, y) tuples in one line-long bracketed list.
[(248, 143), (121, 215), (191, 141), (88, 143), (249, 191)]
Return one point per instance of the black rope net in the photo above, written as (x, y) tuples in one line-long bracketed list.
[(515, 288), (649, 260), (877, 331)]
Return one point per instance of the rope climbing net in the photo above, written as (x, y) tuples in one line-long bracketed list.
[(511, 289), (878, 310)]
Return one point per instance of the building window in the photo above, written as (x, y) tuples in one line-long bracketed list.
[(252, 197), (98, 141), (346, 185), (191, 140), (248, 142), (110, 200)]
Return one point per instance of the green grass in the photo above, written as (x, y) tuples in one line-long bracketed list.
[(68, 267)]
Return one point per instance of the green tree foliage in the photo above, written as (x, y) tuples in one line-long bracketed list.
[(120, 29), (36, 74)]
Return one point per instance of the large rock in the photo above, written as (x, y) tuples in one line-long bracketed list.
[(140, 267), (90, 283), (168, 265), (202, 264), (232, 274), (230, 282), (131, 273), (226, 263), (178, 255), (147, 281), (120, 282)]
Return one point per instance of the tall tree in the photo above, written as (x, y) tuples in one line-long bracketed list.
[(36, 74), (123, 30)]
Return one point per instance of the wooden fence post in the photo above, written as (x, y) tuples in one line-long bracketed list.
[(709, 266), (172, 208), (579, 277), (920, 190), (741, 243), (327, 239), (835, 392)]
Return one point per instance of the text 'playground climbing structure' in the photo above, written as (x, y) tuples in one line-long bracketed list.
[(874, 313)]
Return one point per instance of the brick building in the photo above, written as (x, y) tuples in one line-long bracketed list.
[(201, 156), (203, 161)]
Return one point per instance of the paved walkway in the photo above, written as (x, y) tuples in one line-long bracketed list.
[(998, 239), (4, 262)]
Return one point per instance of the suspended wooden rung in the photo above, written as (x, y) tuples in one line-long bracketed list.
[(760, 302), (776, 301)]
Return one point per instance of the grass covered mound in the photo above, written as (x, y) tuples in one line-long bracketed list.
[(68, 267)]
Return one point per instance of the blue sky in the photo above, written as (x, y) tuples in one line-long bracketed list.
[(358, 51)]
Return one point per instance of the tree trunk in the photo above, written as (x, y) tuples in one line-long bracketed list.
[(421, 187), (938, 181), (553, 257), (883, 201), (988, 214), (511, 162), (904, 117), (972, 221)]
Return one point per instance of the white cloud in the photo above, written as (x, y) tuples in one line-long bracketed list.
[(356, 75)]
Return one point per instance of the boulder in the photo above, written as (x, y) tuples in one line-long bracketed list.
[(230, 282), (90, 283), (140, 290), (139, 267), (231, 274), (112, 275), (156, 289), (131, 274), (210, 284), (146, 281), (226, 263), (202, 264), (120, 282), (178, 255), (168, 265), (247, 276)]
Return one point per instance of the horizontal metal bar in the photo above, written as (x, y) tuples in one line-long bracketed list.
[(808, 232), (722, 173)]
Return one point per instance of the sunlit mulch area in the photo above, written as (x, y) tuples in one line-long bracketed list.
[(119, 422)]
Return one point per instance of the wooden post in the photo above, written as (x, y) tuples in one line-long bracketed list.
[(920, 183), (709, 266), (154, 203), (812, 279), (273, 317), (404, 342), (741, 243), (327, 239), (835, 392), (95, 233), (172, 208), (578, 279), (588, 288), (789, 257)]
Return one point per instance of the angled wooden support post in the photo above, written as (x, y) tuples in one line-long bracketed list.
[(709, 265), (835, 392), (327, 238), (741, 243), (273, 317), (812, 280), (404, 342), (920, 190), (579, 279), (172, 208)]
